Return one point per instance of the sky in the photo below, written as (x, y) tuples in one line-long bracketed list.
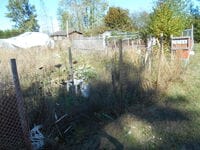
[(51, 10)]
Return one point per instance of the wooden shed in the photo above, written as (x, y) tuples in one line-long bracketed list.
[(62, 35), (59, 35), (75, 35)]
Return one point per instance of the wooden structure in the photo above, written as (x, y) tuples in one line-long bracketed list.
[(75, 35), (62, 35), (182, 46), (59, 35)]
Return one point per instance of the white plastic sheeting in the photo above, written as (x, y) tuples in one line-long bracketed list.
[(37, 138), (85, 90), (6, 45), (80, 85), (27, 40)]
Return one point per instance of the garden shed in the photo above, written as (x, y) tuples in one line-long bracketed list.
[(75, 35), (62, 35), (59, 35)]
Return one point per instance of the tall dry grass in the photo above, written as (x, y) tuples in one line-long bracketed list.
[(41, 80)]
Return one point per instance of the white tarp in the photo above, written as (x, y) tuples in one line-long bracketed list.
[(5, 44), (27, 40)]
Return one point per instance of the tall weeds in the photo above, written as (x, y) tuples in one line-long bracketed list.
[(42, 86)]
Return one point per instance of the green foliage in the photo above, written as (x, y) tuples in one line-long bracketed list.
[(63, 17), (85, 72), (169, 17), (197, 29), (9, 33), (63, 14), (81, 15), (118, 19), (140, 19), (96, 30), (22, 13), (141, 22), (195, 16)]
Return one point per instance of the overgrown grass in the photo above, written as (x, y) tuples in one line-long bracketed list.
[(171, 122), (162, 115)]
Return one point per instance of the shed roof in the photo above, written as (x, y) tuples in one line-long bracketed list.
[(75, 32), (64, 33), (59, 33)]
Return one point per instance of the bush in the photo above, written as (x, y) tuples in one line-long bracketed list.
[(9, 33)]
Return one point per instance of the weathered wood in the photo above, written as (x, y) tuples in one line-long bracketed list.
[(160, 61), (20, 104), (71, 70), (122, 102)]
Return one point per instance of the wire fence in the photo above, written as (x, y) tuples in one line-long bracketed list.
[(10, 129), (89, 43), (102, 43), (14, 129)]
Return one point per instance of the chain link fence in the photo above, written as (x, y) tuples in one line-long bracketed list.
[(14, 129)]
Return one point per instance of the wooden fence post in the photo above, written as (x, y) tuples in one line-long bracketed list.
[(71, 70), (171, 49), (148, 54), (160, 61), (122, 102), (20, 104)]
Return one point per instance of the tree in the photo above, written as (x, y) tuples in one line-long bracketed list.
[(141, 23), (94, 12), (169, 17), (23, 14), (81, 14), (63, 17), (9, 33), (195, 16), (118, 19)]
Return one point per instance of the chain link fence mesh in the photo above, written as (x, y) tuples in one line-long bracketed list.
[(14, 129)]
